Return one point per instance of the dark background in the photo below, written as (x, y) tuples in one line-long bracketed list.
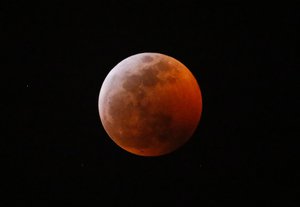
[(56, 56)]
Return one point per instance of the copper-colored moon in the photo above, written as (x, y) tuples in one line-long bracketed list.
[(150, 104)]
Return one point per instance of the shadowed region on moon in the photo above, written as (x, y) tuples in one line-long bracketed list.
[(147, 58), (148, 107)]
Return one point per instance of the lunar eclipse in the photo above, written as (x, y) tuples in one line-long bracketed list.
[(150, 104)]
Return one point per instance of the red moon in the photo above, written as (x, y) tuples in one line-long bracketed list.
[(150, 104)]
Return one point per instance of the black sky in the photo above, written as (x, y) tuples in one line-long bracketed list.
[(56, 57)]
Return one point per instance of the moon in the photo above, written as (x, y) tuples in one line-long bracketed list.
[(150, 104)]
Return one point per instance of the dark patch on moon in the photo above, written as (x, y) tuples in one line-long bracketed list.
[(160, 126), (149, 77), (164, 66), (140, 94), (132, 82), (147, 59), (171, 79)]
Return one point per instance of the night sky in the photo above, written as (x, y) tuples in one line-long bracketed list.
[(57, 55)]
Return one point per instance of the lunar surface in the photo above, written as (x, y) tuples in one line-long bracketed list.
[(150, 104)]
